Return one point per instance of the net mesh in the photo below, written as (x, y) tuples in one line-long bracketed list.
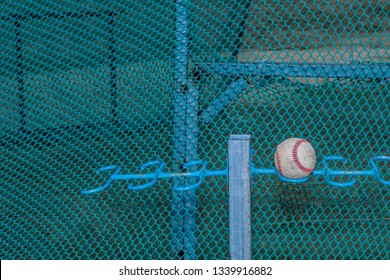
[(90, 84)]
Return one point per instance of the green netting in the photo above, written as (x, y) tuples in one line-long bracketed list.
[(91, 84)]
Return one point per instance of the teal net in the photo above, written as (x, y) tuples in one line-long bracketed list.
[(95, 90)]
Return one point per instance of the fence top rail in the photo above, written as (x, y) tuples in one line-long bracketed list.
[(311, 70)]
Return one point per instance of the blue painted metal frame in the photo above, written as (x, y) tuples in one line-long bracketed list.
[(242, 70), (220, 103)]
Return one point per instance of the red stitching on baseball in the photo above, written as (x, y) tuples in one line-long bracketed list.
[(296, 160), (278, 163)]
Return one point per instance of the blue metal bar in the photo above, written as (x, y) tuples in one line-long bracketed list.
[(200, 173), (220, 103), (365, 70), (185, 142), (179, 152), (190, 195)]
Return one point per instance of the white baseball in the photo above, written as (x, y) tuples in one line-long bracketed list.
[(295, 158)]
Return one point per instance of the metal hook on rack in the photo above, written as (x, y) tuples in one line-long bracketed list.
[(201, 175), (112, 178), (161, 166), (376, 171), (328, 172)]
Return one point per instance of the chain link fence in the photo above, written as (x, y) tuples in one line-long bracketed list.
[(89, 85)]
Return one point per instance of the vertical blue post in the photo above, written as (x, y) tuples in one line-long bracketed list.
[(240, 197), (190, 197), (185, 142)]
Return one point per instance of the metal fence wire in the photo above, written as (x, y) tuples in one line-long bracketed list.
[(96, 94)]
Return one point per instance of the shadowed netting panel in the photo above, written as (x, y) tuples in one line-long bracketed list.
[(92, 90)]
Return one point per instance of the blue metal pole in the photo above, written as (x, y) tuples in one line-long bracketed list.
[(224, 100), (256, 69), (185, 142), (190, 197)]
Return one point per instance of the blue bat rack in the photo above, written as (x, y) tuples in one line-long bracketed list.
[(202, 172)]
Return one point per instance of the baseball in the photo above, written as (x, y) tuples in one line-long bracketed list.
[(295, 158)]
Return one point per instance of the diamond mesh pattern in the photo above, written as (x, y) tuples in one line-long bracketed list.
[(89, 84)]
